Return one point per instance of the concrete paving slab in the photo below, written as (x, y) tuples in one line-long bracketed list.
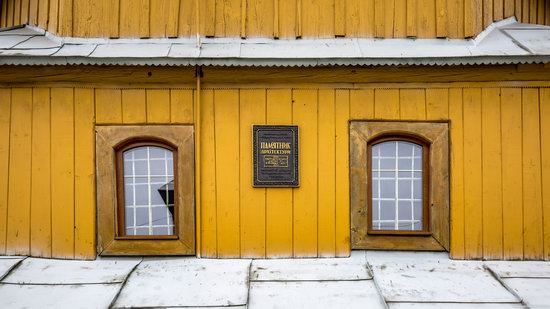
[(315, 295), (335, 269), (535, 292), (378, 257), (89, 296), (520, 269), (50, 271), (6, 265), (439, 281), (453, 305), (186, 282)]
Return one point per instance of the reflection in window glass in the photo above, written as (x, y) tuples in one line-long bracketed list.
[(397, 186), (149, 191)]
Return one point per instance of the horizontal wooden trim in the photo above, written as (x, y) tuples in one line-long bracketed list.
[(253, 77), (395, 242)]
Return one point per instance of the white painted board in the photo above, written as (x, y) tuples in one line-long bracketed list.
[(352, 268), (187, 282), (9, 41), (517, 269), (57, 296), (50, 271), (535, 292), (315, 295), (453, 305), (439, 281)]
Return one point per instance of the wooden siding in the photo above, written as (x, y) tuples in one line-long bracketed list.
[(270, 18), (499, 165)]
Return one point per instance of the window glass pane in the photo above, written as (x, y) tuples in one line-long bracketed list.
[(149, 191), (396, 190)]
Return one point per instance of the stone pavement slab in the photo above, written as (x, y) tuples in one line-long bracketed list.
[(315, 295), (89, 296), (50, 271), (323, 269), (453, 305), (429, 277), (186, 282)]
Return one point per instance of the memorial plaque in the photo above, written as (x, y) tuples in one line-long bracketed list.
[(275, 156)]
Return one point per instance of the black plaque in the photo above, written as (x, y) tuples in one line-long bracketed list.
[(275, 156)]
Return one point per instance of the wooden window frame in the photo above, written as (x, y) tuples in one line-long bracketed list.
[(436, 134), (402, 137), (111, 141), (120, 192)]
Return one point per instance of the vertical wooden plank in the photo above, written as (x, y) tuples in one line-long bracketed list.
[(547, 14), (389, 11), (41, 233), (532, 195), (134, 108), (533, 11), (3, 13), (545, 164), (340, 18), (172, 15), (473, 208), (84, 181), (326, 19), (111, 16), (25, 5), (361, 104), (208, 176), (16, 12), (62, 170), (472, 17), (33, 12), (228, 18), (187, 18), (181, 106), (287, 19), (441, 24), (512, 196), (352, 19), (366, 18), (498, 10), (260, 18), (19, 186), (279, 201), (164, 18), (460, 18), (487, 13), (525, 11), (317, 18), (509, 8), (492, 176), (437, 104), (386, 103), (158, 106), (342, 213), (426, 20), (227, 171), (252, 200), (412, 104), (132, 24), (411, 18), (9, 13), (457, 173), (518, 10), (327, 183), (305, 113), (541, 9), (82, 16), (379, 17), (207, 17), (108, 106), (5, 112), (65, 27), (400, 24), (276, 19), (52, 22)]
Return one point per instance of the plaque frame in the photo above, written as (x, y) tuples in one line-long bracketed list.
[(287, 183)]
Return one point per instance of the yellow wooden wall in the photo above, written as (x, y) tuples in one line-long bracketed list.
[(270, 18), (500, 165)]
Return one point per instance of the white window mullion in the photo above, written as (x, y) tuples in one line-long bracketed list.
[(396, 186)]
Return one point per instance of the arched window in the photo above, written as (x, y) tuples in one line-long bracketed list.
[(146, 196), (398, 167)]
